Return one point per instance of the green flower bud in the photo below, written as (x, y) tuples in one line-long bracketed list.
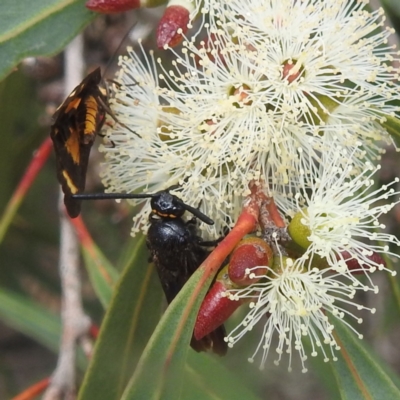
[(298, 231)]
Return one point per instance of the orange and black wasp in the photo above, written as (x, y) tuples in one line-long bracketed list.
[(76, 123)]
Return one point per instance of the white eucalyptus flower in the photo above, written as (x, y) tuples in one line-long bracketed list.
[(335, 215), (275, 85), (294, 304), (316, 55), (203, 129)]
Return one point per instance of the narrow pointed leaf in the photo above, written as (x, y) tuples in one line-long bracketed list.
[(102, 274), (33, 28), (34, 321), (134, 311), (159, 372), (394, 285), (392, 8), (392, 125), (206, 378), (358, 372), (128, 252), (22, 314)]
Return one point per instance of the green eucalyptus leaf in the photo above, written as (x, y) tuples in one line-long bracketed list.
[(160, 369), (24, 315), (40, 27), (102, 274), (206, 378), (34, 321), (128, 252), (393, 298), (358, 373), (392, 7), (134, 311), (392, 125)]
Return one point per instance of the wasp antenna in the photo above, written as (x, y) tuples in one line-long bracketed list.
[(173, 187), (197, 213), (110, 196)]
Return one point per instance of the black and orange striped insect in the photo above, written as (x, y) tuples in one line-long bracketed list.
[(76, 123)]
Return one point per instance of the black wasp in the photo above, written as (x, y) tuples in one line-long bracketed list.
[(176, 249)]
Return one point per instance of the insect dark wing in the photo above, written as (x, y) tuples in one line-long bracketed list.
[(76, 123), (175, 254)]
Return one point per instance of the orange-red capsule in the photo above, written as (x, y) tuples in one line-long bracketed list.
[(249, 253)]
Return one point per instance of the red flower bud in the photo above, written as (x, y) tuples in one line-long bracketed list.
[(112, 6), (214, 310), (354, 265), (249, 253), (174, 18)]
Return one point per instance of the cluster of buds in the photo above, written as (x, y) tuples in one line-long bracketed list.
[(172, 26), (241, 271), (298, 97)]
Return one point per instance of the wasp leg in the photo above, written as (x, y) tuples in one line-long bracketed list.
[(210, 243)]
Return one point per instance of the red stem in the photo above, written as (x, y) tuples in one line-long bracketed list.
[(34, 390), (94, 331), (246, 223), (83, 234), (39, 158), (274, 213), (88, 244)]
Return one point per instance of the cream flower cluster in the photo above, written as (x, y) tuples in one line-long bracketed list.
[(335, 218), (297, 302), (295, 95), (259, 99)]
